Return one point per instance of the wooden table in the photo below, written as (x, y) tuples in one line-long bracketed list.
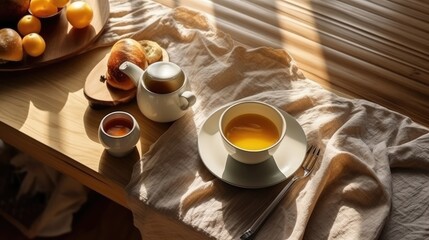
[(44, 113)]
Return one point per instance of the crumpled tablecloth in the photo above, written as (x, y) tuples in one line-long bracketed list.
[(372, 178)]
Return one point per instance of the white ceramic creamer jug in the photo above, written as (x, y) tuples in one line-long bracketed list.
[(163, 92)]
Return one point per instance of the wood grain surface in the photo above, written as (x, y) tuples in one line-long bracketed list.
[(43, 112)]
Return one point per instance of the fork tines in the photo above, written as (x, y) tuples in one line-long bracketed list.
[(312, 155)]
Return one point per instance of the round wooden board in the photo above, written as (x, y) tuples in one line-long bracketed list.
[(99, 93), (62, 40)]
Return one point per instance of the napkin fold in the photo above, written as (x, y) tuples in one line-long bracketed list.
[(370, 179)]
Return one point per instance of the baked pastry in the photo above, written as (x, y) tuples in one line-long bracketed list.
[(124, 50), (10, 45), (152, 50)]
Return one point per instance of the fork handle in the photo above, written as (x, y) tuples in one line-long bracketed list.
[(248, 234)]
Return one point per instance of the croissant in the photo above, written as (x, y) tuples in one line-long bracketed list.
[(124, 50)]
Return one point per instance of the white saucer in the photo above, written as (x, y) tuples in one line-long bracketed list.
[(286, 160)]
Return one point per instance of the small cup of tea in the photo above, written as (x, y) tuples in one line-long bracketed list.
[(252, 131), (119, 133)]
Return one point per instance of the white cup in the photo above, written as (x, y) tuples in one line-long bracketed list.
[(119, 133), (251, 131)]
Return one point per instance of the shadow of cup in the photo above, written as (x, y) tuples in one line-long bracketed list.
[(257, 175)]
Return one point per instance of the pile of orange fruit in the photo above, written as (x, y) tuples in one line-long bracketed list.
[(79, 14)]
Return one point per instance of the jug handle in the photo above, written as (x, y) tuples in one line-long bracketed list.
[(187, 99)]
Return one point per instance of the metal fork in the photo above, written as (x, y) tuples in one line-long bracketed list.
[(309, 162)]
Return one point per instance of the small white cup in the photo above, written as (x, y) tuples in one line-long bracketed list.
[(244, 110), (119, 133)]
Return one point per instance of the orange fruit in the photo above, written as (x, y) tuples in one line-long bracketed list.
[(79, 14), (29, 24), (42, 8), (60, 3), (33, 44)]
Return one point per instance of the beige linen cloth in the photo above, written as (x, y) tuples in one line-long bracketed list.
[(372, 180)]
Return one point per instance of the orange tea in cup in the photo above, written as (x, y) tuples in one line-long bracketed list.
[(119, 133), (118, 126), (252, 132)]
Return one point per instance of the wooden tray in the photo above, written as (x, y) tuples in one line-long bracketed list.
[(62, 40), (99, 93)]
